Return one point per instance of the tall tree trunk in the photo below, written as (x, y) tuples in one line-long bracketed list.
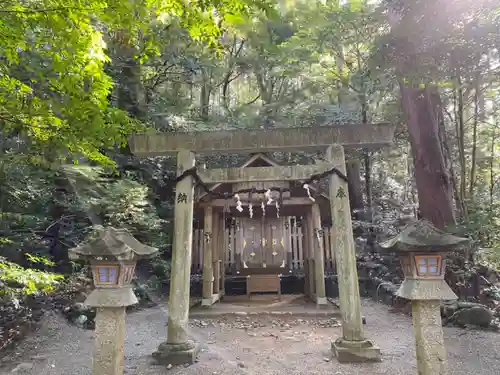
[(433, 182), (355, 188), (460, 128), (131, 96), (367, 154), (205, 95), (57, 210), (367, 160), (493, 160), (475, 122)]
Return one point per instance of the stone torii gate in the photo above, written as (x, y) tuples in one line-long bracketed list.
[(352, 346)]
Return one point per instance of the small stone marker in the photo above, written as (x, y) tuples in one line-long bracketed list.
[(421, 247), (113, 256)]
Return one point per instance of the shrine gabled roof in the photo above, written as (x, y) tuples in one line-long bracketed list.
[(422, 235), (263, 157), (253, 159), (267, 161)]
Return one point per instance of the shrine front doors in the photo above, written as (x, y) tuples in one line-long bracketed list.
[(262, 243)]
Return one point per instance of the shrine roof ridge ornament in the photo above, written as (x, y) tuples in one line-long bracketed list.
[(259, 140), (112, 242), (422, 235)]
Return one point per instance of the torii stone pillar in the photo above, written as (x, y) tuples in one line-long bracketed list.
[(178, 350), (352, 346), (319, 258)]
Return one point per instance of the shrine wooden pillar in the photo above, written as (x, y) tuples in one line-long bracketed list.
[(215, 257), (238, 246), (208, 244), (288, 244), (352, 346), (178, 349), (308, 255), (221, 238), (212, 272), (318, 254)]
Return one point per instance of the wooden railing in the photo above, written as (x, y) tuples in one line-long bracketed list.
[(296, 241), (216, 267)]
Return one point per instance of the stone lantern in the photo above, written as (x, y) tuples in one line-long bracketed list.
[(112, 256), (421, 248)]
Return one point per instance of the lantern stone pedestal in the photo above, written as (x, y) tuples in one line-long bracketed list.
[(113, 256), (110, 336), (110, 328), (421, 247), (431, 352)]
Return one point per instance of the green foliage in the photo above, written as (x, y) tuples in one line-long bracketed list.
[(26, 280), (161, 271), (118, 202), (76, 78), (482, 226), (61, 103), (24, 208), (90, 196), (54, 91), (41, 260)]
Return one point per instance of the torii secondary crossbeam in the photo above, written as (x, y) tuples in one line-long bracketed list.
[(352, 346), (262, 174)]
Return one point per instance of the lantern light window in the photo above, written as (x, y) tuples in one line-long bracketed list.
[(428, 265), (107, 274)]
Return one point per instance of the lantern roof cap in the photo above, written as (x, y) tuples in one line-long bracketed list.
[(113, 242), (423, 236)]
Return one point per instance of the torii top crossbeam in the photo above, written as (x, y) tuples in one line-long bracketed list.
[(277, 139)]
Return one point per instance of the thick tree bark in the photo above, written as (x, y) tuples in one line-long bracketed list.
[(460, 129), (355, 188), (433, 180), (57, 210), (367, 160), (129, 88), (472, 178), (205, 95), (130, 91)]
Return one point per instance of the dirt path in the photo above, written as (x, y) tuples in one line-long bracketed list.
[(268, 346)]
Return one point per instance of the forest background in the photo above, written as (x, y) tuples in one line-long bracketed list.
[(78, 77)]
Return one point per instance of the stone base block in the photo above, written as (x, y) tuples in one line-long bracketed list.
[(356, 351), (176, 354), (321, 301), (208, 302)]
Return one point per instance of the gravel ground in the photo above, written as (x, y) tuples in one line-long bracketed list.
[(238, 345)]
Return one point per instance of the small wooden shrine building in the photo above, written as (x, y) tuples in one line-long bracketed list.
[(263, 236)]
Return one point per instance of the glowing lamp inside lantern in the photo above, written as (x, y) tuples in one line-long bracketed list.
[(428, 265), (113, 275), (418, 265), (106, 275)]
